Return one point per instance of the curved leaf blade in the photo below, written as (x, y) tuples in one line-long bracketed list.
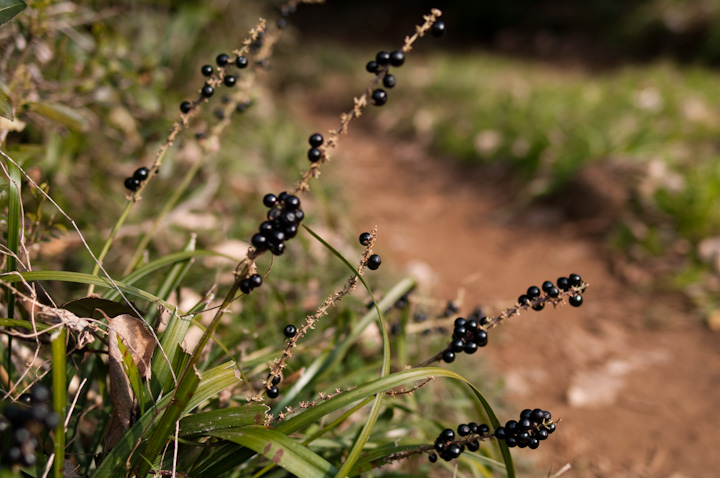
[(281, 450), (8, 10)]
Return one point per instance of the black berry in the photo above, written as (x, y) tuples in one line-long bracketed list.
[(206, 70), (576, 300), (533, 292), (229, 80), (575, 280), (269, 200), (141, 174), (132, 184), (397, 58), (553, 292), (563, 283), (379, 97), (374, 262), (273, 392), (245, 286), (523, 299), (365, 238), (207, 91), (314, 155), (471, 347), (432, 457), (241, 62), (389, 81), (292, 202), (448, 356), (546, 286), (278, 249), (438, 29), (290, 331), (372, 67), (255, 280), (185, 107), (447, 435), (222, 59), (382, 58), (316, 140)]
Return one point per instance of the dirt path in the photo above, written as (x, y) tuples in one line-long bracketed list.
[(635, 378)]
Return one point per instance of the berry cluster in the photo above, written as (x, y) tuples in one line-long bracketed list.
[(314, 154), (467, 337), (572, 282), (374, 261), (448, 449), (222, 61), (22, 421), (271, 388), (384, 60), (133, 183), (284, 218), (250, 283), (533, 427)]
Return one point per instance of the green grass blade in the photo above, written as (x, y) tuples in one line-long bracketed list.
[(168, 260), (224, 418), (282, 450), (59, 382), (132, 373), (25, 324), (81, 278), (364, 436)]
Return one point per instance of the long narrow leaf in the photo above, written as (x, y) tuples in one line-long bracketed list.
[(364, 436), (282, 450), (59, 382), (14, 232)]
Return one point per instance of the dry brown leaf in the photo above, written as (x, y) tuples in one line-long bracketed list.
[(138, 340)]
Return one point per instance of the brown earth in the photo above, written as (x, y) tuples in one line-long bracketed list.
[(634, 376)]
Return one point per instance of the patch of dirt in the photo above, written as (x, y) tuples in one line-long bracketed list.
[(635, 377)]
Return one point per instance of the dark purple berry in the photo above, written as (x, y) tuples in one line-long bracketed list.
[(290, 231), (438, 29), (460, 322), (550, 428), (314, 155), (563, 283), (52, 420), (275, 379), (283, 196), (459, 332), (473, 446), (269, 200), (25, 399), (463, 430), (537, 415), (539, 306), (278, 249), (500, 433), (316, 140), (229, 80), (206, 70), (574, 280), (379, 97), (274, 214), (245, 286), (533, 443), (207, 91), (266, 228), (448, 356), (511, 442), (447, 435), (523, 299), (439, 445), (484, 430), (397, 58), (290, 331), (365, 238), (299, 215), (374, 262), (541, 434), (432, 457), (457, 346), (273, 392), (547, 415), (382, 58), (576, 300), (481, 337), (553, 292), (471, 325), (511, 427), (454, 450), (527, 413), (389, 81), (291, 202), (222, 59), (132, 184), (473, 428), (256, 280), (533, 292), (141, 174), (525, 424), (470, 347), (259, 241), (546, 286), (372, 66), (241, 62)]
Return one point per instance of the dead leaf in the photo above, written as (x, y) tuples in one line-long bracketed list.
[(137, 338)]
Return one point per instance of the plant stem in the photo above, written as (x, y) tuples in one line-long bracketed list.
[(59, 381)]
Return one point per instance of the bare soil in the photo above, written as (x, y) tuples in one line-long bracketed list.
[(635, 376)]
